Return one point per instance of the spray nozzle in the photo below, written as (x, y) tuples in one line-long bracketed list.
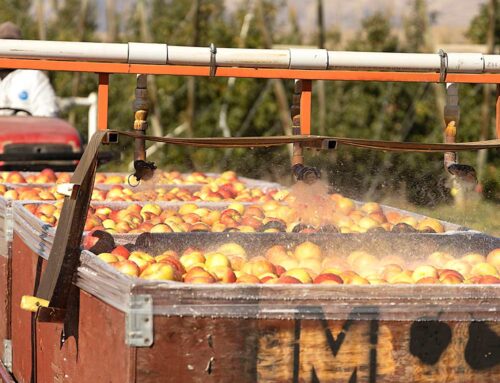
[(307, 174), (144, 170), (464, 173)]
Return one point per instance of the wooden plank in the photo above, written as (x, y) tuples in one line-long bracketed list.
[(379, 351), (4, 301), (26, 271), (96, 353), (200, 350)]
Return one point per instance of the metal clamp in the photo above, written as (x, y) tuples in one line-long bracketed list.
[(443, 67), (139, 321), (213, 60)]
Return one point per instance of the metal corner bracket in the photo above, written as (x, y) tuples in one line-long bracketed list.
[(7, 354), (139, 321)]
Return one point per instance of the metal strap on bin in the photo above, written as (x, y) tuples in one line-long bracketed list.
[(317, 142)]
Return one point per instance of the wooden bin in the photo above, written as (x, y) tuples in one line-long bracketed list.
[(256, 333)]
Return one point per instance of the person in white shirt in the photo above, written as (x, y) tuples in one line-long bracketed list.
[(24, 91)]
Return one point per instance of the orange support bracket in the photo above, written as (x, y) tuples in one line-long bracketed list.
[(102, 101), (305, 107)]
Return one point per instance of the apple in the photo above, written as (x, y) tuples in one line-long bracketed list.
[(232, 248), (213, 260), (190, 258), (483, 268), (122, 251), (493, 258), (371, 207), (15, 178), (161, 228), (198, 275), (46, 209), (460, 266), (162, 271), (450, 277), (247, 278), (173, 261), (345, 205), (439, 259), (307, 250), (259, 267), (434, 224), (230, 217), (409, 220), (127, 267), (427, 280), (363, 262), (288, 279), (123, 227), (313, 264), (300, 273), (473, 258), (239, 207), (328, 278), (424, 271), (404, 277), (109, 224), (187, 208), (224, 274), (109, 258), (142, 259), (485, 279)]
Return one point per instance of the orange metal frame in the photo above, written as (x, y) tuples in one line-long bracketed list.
[(106, 68)]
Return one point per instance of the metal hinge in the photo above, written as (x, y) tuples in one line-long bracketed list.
[(9, 224), (139, 321), (7, 354)]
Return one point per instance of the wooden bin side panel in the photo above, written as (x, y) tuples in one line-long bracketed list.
[(26, 271), (378, 351), (96, 353), (188, 349), (5, 267)]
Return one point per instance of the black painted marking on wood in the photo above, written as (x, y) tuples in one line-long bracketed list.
[(296, 351), (429, 339), (354, 376), (314, 377), (374, 328), (334, 343), (483, 347)]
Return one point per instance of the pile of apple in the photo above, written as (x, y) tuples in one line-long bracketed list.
[(47, 176), (118, 193), (270, 216), (306, 263)]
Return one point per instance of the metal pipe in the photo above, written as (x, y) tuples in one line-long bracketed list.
[(64, 50), (140, 53)]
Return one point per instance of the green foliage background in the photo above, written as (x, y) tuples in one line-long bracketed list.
[(391, 111)]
